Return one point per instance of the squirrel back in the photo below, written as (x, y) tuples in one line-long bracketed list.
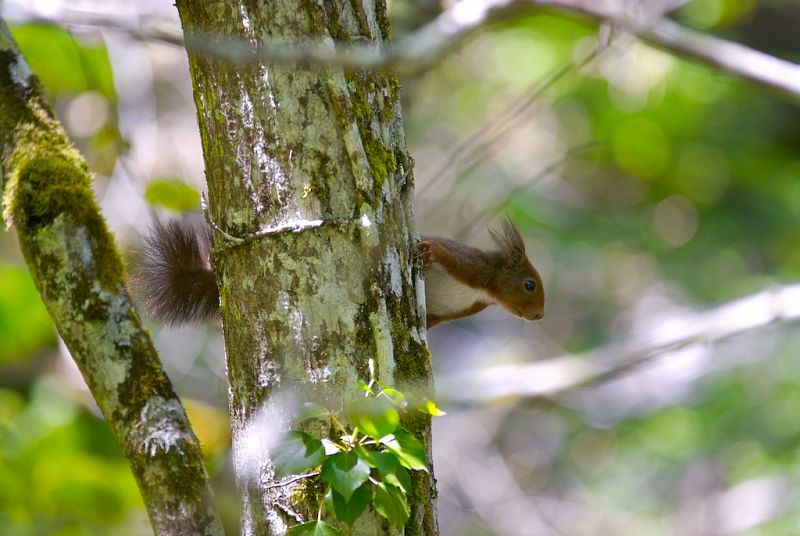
[(172, 279)]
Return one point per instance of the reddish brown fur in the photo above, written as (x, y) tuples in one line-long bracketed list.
[(476, 307), (501, 273)]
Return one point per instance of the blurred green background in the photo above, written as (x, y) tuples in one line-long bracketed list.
[(650, 189)]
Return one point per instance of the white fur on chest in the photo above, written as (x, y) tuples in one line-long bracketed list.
[(444, 294)]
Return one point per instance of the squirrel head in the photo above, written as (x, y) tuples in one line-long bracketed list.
[(517, 286)]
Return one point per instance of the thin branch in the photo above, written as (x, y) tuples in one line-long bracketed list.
[(728, 56), (484, 216), (478, 143), (555, 377), (292, 480), (419, 50)]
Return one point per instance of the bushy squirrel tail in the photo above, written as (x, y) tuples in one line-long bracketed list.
[(172, 278)]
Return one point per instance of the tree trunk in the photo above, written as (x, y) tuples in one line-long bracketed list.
[(309, 165), (47, 196)]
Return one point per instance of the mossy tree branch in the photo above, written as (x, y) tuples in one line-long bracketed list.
[(313, 161), (78, 272)]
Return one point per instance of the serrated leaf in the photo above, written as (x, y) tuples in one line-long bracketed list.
[(429, 406), (390, 503), (407, 448), (311, 410), (345, 472), (344, 510), (396, 397), (313, 528), (297, 452), (173, 194), (374, 417)]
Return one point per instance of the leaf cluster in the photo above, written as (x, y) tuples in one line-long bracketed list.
[(369, 464)]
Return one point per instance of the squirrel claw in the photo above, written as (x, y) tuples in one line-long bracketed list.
[(426, 251)]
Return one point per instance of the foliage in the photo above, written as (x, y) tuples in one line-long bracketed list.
[(688, 195), (24, 323), (173, 194), (367, 464), (61, 471)]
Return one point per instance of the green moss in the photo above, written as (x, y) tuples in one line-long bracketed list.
[(368, 102), (381, 160), (381, 13), (391, 85), (335, 26), (44, 188), (46, 178), (49, 185), (412, 358), (319, 182), (309, 492)]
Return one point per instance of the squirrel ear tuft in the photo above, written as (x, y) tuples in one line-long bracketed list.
[(508, 239)]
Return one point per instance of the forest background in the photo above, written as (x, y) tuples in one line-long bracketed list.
[(659, 198)]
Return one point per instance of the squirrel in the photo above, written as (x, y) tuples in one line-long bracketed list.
[(174, 282)]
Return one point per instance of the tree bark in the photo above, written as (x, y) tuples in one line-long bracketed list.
[(309, 166), (47, 196)]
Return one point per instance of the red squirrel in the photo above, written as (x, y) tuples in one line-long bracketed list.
[(461, 280), (174, 282)]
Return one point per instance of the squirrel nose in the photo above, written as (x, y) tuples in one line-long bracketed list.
[(533, 316)]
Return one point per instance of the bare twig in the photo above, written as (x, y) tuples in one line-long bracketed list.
[(292, 480), (479, 142), (487, 214)]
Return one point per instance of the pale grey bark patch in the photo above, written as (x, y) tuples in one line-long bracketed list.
[(20, 71), (162, 426)]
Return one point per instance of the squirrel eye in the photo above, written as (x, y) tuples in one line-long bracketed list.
[(530, 285)]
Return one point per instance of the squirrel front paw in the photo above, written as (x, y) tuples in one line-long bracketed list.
[(427, 250)]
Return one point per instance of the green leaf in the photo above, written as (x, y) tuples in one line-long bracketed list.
[(344, 510), (400, 478), (173, 194), (310, 410), (63, 63), (313, 528), (429, 406), (395, 397), (388, 467), (364, 386), (408, 449), (345, 471), (374, 417), (390, 503), (296, 453)]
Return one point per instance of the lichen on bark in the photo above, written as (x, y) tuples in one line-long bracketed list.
[(79, 274), (305, 310)]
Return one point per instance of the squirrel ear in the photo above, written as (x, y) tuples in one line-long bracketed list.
[(509, 238)]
